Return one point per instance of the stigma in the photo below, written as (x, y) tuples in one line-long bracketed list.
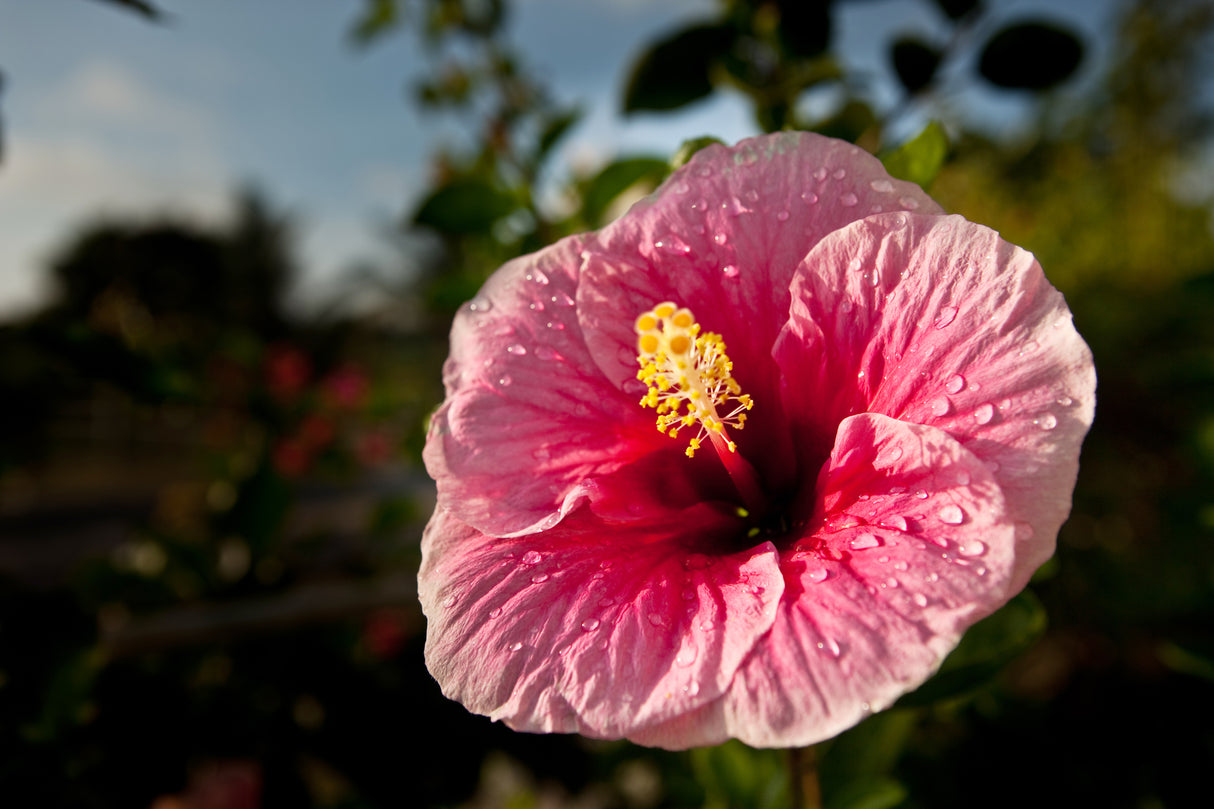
[(689, 377)]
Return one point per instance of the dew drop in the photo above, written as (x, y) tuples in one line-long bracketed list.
[(848, 200), (539, 578), (941, 406), (734, 207), (890, 582), (656, 620), (480, 305), (921, 494), (909, 203), (590, 624), (692, 688), (531, 558), (864, 541), (1023, 531), (839, 174), (820, 174), (1046, 421), (538, 277), (682, 188), (1065, 401), (955, 383), (840, 520), (951, 514), (555, 325), (449, 601), (973, 547), (947, 315), (562, 299), (495, 612), (833, 646), (547, 353), (514, 647), (542, 453), (731, 271), (818, 576), (504, 380), (516, 349), (686, 656), (782, 216), (985, 413), (873, 277), (895, 521), (932, 577), (673, 245), (538, 306), (901, 565), (919, 599), (810, 197), (720, 237), (881, 186)]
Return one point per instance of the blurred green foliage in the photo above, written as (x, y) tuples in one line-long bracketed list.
[(212, 505)]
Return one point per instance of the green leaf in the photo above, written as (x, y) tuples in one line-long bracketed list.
[(379, 17), (615, 179), (915, 62), (689, 147), (734, 775), (555, 129), (919, 160), (876, 793), (1030, 56), (141, 7), (465, 206), (987, 647), (676, 71)]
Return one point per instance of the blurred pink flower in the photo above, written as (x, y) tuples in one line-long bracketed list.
[(919, 399)]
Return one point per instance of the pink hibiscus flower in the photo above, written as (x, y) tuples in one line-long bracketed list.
[(888, 405)]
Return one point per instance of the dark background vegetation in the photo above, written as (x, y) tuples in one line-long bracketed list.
[(210, 507)]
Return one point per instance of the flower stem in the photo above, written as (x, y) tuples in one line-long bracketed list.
[(743, 475), (804, 789)]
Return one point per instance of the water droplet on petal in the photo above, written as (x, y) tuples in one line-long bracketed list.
[(686, 656), (547, 353), (531, 558), (840, 174), (562, 299), (932, 577), (480, 305), (895, 521), (514, 647), (504, 380), (840, 520), (919, 599), (538, 277), (1065, 401), (1023, 530), (656, 620), (984, 413), (818, 575), (516, 349), (820, 174), (873, 277), (810, 197), (731, 271), (590, 624), (894, 454), (921, 494), (955, 383), (881, 186), (782, 216), (539, 578), (909, 203), (890, 582), (951, 514), (947, 315), (495, 612), (865, 541), (541, 453), (673, 245), (1046, 421), (692, 688), (940, 406), (833, 646), (901, 565), (973, 547), (848, 200), (720, 237)]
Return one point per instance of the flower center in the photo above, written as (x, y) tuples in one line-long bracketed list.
[(689, 377), (690, 383)]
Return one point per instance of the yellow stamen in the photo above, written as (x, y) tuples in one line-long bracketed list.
[(689, 377)]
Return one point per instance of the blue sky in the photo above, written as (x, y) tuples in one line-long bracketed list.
[(106, 115)]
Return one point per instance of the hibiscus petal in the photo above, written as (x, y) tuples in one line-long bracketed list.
[(529, 427), (937, 320), (910, 545), (724, 236), (603, 630)]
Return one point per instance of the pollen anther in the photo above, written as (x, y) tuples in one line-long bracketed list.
[(689, 377)]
